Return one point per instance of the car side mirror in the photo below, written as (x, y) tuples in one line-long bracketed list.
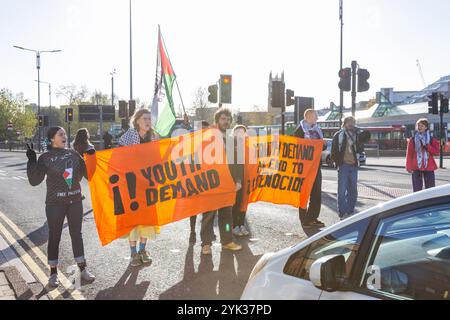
[(328, 273)]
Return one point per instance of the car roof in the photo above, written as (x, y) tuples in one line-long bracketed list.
[(421, 196)]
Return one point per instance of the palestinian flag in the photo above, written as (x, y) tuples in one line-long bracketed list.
[(68, 177), (163, 111)]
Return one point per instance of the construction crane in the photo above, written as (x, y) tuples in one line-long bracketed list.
[(421, 73)]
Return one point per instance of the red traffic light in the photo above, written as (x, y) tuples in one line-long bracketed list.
[(226, 80), (345, 73)]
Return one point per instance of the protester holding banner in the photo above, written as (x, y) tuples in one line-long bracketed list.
[(140, 132), (346, 147), (308, 129), (64, 169), (239, 134), (419, 156), (81, 144), (223, 119)]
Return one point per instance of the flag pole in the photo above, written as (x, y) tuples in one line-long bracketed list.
[(170, 61)]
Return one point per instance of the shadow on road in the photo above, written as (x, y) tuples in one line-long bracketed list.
[(227, 283), (126, 288)]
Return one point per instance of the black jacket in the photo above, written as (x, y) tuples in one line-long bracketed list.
[(64, 170), (337, 154)]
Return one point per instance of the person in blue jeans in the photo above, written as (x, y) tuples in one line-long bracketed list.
[(347, 144)]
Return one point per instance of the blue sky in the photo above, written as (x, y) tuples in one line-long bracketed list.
[(205, 38)]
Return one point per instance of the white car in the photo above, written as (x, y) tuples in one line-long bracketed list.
[(397, 250), (326, 154)]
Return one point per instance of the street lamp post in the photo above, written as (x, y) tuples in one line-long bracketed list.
[(49, 92), (112, 86), (341, 93), (38, 67)]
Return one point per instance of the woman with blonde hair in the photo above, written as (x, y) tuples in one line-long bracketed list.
[(140, 132)]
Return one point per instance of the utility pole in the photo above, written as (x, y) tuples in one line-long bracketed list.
[(49, 92), (354, 67), (100, 108), (112, 86), (441, 136), (341, 99), (131, 56)]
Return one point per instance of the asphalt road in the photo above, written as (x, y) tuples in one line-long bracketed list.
[(179, 271)]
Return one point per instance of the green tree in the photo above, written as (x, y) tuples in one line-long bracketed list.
[(14, 108)]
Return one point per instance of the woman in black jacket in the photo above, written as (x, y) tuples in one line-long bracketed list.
[(64, 169), (81, 144)]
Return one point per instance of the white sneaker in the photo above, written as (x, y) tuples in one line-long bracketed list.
[(244, 231), (87, 276), (53, 281), (237, 232)]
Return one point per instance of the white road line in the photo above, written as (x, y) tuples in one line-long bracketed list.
[(76, 294)]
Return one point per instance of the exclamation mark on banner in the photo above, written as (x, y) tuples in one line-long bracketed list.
[(118, 204), (131, 182)]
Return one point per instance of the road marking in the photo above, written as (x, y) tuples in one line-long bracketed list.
[(28, 261), (67, 284)]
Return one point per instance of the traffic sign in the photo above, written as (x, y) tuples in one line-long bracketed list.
[(91, 113)]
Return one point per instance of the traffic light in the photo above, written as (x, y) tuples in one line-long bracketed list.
[(444, 105), (69, 115), (125, 125), (346, 79), (131, 107), (42, 121), (226, 82), (290, 101), (278, 94), (122, 109), (363, 76), (433, 103), (213, 93)]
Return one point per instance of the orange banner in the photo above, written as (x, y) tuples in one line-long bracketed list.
[(157, 183), (281, 170)]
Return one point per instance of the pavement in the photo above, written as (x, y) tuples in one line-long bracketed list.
[(396, 162), (179, 271), (15, 277)]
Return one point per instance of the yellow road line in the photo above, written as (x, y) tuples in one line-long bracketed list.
[(28, 261), (67, 284)]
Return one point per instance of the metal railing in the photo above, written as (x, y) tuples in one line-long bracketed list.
[(13, 146), (373, 147)]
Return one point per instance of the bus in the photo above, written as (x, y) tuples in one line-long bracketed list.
[(386, 137)]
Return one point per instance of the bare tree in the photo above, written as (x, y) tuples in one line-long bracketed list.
[(199, 103), (257, 108), (72, 93)]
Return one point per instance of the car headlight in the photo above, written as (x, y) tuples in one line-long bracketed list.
[(260, 265)]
